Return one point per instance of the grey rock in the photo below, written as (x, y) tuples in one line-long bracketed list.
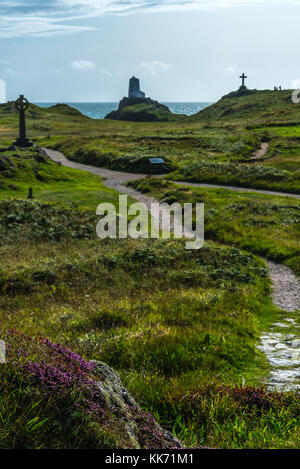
[(117, 399)]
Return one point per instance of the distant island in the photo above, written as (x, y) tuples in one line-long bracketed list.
[(137, 108)]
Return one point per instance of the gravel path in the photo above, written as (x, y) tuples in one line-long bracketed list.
[(286, 287), (261, 152), (237, 189), (115, 180), (281, 349)]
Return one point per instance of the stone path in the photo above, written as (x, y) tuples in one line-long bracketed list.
[(282, 343), (283, 352), (281, 349), (261, 152)]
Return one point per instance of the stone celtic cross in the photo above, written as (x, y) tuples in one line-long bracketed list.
[(22, 105)]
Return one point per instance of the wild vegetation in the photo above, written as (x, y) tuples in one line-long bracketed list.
[(262, 224), (22, 169), (181, 327), (119, 302), (255, 106), (253, 176)]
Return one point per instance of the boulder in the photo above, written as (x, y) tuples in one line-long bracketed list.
[(118, 400)]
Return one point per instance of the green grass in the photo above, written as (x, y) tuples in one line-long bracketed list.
[(50, 181), (137, 111), (170, 320), (131, 152), (261, 106), (264, 225), (117, 156), (227, 417), (256, 176)]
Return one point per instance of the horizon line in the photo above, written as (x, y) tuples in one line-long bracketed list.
[(110, 102)]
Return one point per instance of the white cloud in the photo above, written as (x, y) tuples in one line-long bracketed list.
[(82, 65), (49, 17), (98, 7), (39, 27), (155, 66)]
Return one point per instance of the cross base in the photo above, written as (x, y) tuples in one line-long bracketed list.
[(23, 142), (243, 87)]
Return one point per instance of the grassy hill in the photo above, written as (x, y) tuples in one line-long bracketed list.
[(42, 121), (20, 170), (265, 105), (141, 110)]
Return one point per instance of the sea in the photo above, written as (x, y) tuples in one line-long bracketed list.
[(100, 110)]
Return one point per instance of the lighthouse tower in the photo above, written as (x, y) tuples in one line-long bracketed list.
[(134, 89)]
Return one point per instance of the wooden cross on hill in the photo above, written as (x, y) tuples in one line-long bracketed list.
[(243, 77)]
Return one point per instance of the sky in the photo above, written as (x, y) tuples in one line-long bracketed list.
[(182, 50)]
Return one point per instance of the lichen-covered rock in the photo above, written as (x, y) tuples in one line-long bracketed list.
[(117, 398)]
